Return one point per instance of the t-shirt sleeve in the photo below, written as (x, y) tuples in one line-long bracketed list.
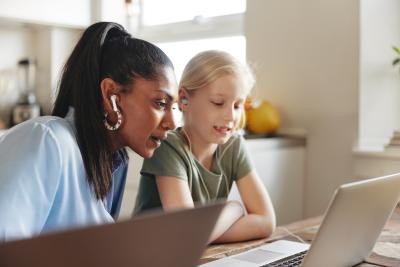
[(243, 163), (166, 161), (30, 164)]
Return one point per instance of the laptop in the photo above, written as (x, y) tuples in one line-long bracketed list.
[(158, 239), (353, 222)]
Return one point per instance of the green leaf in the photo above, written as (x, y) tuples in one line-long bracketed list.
[(397, 49), (396, 61)]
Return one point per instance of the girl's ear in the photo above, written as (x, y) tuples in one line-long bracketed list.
[(183, 99)]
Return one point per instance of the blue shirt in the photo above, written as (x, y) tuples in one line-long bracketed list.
[(43, 183)]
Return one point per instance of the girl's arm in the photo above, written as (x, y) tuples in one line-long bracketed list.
[(260, 221), (175, 194)]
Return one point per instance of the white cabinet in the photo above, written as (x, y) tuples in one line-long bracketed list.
[(280, 163), (73, 13)]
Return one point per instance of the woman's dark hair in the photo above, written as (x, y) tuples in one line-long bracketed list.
[(105, 50)]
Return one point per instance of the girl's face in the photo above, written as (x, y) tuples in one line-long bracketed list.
[(147, 113), (213, 112)]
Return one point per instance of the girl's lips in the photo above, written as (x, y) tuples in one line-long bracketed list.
[(223, 130)]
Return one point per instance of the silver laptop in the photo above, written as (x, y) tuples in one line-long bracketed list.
[(170, 239), (351, 225)]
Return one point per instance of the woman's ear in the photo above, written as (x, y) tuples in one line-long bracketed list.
[(110, 94)]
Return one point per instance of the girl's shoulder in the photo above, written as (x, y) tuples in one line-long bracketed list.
[(173, 148), (234, 142), (175, 138)]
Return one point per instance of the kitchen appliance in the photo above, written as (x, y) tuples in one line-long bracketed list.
[(27, 106)]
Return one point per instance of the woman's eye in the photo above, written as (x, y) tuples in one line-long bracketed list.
[(161, 104)]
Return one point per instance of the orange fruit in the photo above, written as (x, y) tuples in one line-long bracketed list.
[(262, 118)]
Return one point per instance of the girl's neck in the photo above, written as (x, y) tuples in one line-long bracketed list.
[(201, 150)]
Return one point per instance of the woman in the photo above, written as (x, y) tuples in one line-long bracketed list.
[(69, 169), (199, 162)]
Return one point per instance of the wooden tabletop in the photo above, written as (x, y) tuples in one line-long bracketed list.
[(306, 230)]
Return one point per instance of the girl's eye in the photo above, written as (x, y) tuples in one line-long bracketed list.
[(217, 103)]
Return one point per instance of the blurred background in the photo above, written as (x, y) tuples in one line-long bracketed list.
[(323, 68)]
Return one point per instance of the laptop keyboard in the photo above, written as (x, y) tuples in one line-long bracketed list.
[(291, 261)]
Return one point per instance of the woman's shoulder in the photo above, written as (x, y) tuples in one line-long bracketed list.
[(37, 129), (53, 122)]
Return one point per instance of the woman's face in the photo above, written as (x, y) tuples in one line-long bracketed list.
[(213, 112), (147, 113)]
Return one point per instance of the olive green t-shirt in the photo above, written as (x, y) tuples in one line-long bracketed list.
[(174, 158)]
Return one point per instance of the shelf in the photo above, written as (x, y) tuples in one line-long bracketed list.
[(275, 141), (386, 154)]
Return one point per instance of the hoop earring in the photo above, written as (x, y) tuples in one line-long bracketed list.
[(115, 126)]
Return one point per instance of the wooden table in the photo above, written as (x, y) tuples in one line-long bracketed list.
[(306, 229)]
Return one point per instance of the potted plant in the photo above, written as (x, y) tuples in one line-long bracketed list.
[(397, 59)]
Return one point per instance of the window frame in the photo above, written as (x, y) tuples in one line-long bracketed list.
[(197, 28)]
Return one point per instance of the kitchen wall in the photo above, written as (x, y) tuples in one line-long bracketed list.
[(379, 81), (313, 61), (15, 43), (46, 30), (50, 46), (307, 57)]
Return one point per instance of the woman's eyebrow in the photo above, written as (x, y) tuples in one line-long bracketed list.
[(170, 97)]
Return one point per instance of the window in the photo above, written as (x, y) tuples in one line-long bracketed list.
[(181, 52), (156, 12), (183, 28)]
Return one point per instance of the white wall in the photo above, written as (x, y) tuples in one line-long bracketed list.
[(50, 46), (48, 31), (307, 55), (73, 13), (379, 81), (15, 43)]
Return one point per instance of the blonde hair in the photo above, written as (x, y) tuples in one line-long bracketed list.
[(208, 66)]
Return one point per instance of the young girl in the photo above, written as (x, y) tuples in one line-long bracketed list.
[(69, 169), (198, 163)]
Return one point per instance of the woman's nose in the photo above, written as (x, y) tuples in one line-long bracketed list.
[(168, 122)]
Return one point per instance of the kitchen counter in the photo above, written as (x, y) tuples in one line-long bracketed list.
[(269, 141)]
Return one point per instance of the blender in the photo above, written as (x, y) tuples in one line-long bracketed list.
[(27, 107)]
